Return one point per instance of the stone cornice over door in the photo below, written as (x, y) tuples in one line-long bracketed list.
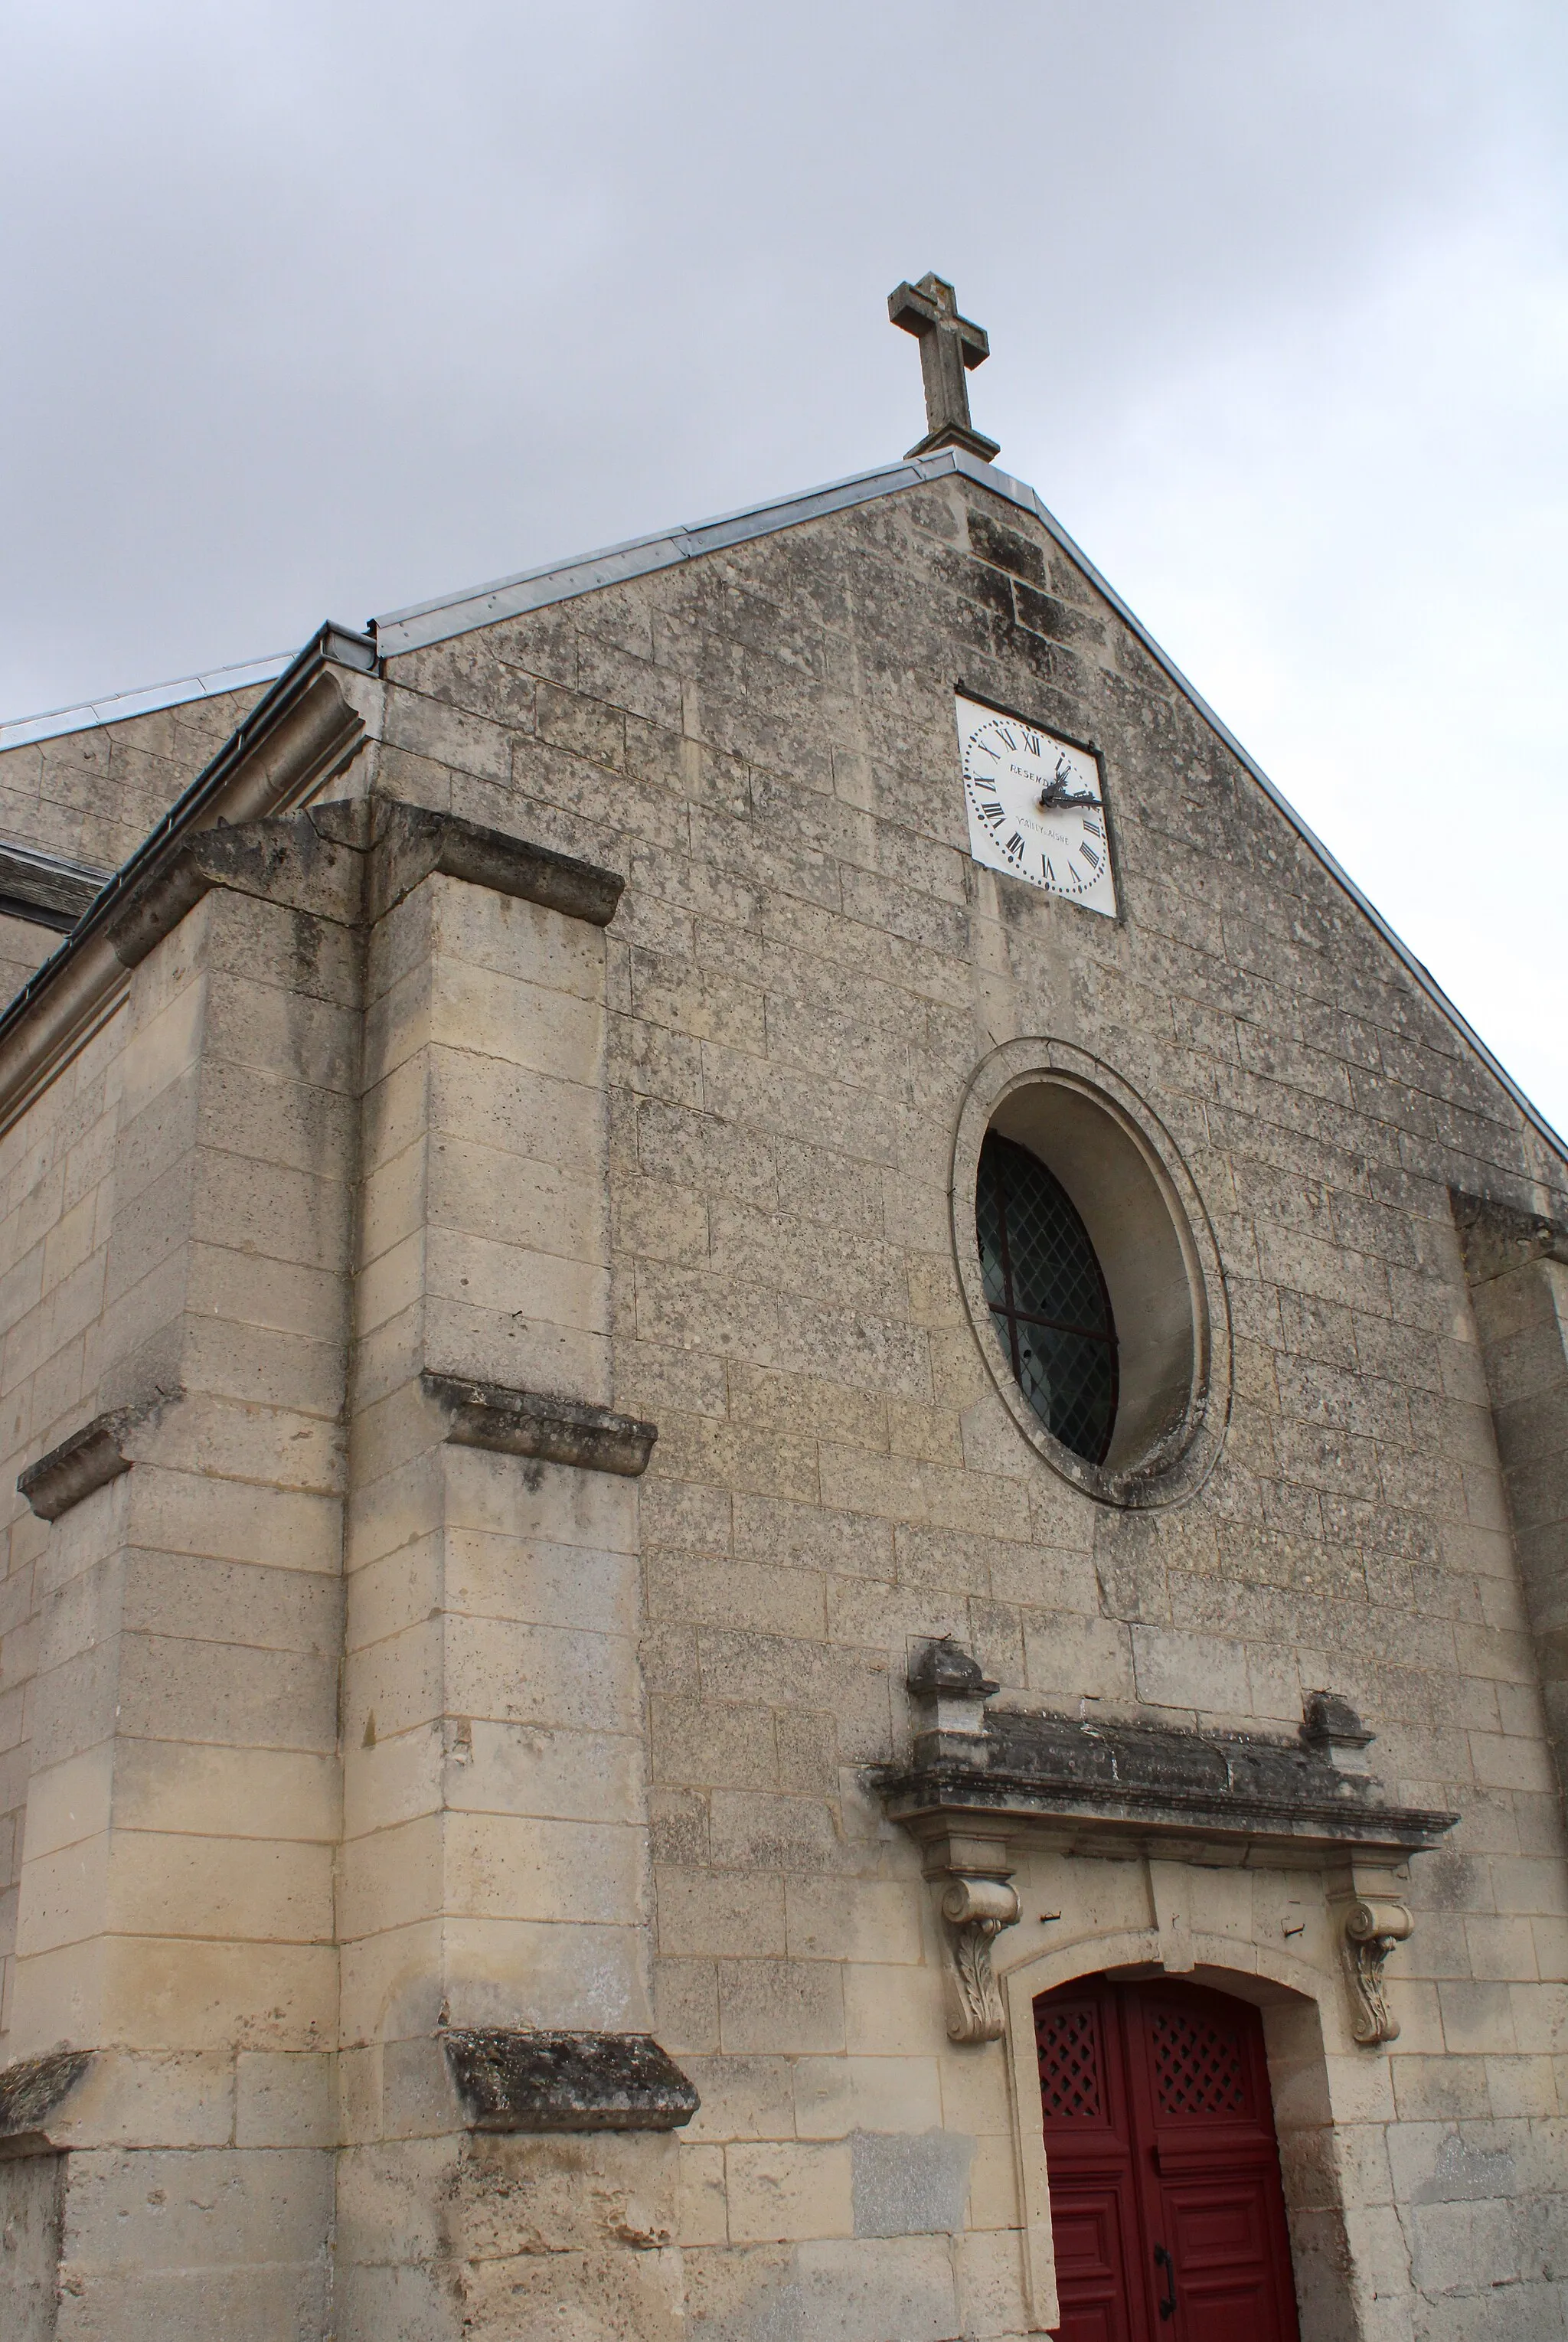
[(983, 1784)]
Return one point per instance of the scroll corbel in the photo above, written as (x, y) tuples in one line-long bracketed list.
[(1371, 1929), (974, 1913)]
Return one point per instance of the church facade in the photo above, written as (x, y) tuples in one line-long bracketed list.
[(781, 1571)]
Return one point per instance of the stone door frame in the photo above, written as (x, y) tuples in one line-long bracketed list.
[(1304, 2025)]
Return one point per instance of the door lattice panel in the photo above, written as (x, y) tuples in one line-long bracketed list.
[(1199, 2067), (1068, 2039), (1163, 2165)]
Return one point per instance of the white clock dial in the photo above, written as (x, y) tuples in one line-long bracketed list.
[(1035, 805)]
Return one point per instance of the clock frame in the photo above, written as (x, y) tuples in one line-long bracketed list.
[(1035, 804)]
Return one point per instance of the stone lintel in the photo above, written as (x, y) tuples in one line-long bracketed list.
[(30, 2090), (88, 1460), (536, 1422), (1220, 1798), (411, 843), (519, 2081)]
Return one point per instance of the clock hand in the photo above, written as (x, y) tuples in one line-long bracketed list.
[(1054, 796)]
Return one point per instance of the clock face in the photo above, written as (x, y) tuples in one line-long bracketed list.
[(1035, 805)]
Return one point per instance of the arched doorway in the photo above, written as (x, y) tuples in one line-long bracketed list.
[(1167, 2213)]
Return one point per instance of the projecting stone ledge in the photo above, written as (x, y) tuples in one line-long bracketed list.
[(536, 1422), (1219, 1797), (87, 1460), (510, 2081), (410, 842), (1495, 1238), (30, 2090)]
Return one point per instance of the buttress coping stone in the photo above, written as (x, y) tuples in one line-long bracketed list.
[(538, 1423)]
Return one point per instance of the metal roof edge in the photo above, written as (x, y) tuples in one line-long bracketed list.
[(330, 644), (425, 622), (980, 474), (537, 589), (120, 705)]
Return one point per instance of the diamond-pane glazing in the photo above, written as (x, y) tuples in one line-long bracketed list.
[(1044, 1284), (990, 1231)]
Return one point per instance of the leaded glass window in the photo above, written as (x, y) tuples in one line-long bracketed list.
[(1047, 1297)]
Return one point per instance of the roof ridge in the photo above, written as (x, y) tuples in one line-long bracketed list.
[(531, 589), (535, 589)]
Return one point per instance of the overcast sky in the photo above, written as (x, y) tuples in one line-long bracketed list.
[(318, 310)]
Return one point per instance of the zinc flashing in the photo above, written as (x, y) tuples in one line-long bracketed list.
[(116, 707), (68, 998), (425, 622), (537, 589)]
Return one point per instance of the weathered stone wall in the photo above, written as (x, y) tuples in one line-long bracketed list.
[(56, 1190), (31, 2192), (93, 795), (804, 973), (24, 947), (179, 1707), (699, 1170), (1518, 1267)]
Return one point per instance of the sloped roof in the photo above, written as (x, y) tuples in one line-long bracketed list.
[(535, 589), (118, 706)]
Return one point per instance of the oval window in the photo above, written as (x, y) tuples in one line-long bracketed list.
[(1047, 1297)]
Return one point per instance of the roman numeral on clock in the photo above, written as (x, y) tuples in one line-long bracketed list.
[(1035, 805)]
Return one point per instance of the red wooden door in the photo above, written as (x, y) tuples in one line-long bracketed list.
[(1166, 2209)]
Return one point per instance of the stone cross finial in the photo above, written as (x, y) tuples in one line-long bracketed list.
[(948, 344)]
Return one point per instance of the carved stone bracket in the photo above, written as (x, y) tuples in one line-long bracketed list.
[(974, 1913), (1371, 1929), (980, 1785), (969, 1870)]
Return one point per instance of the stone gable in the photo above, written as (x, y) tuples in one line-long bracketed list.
[(368, 1174)]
